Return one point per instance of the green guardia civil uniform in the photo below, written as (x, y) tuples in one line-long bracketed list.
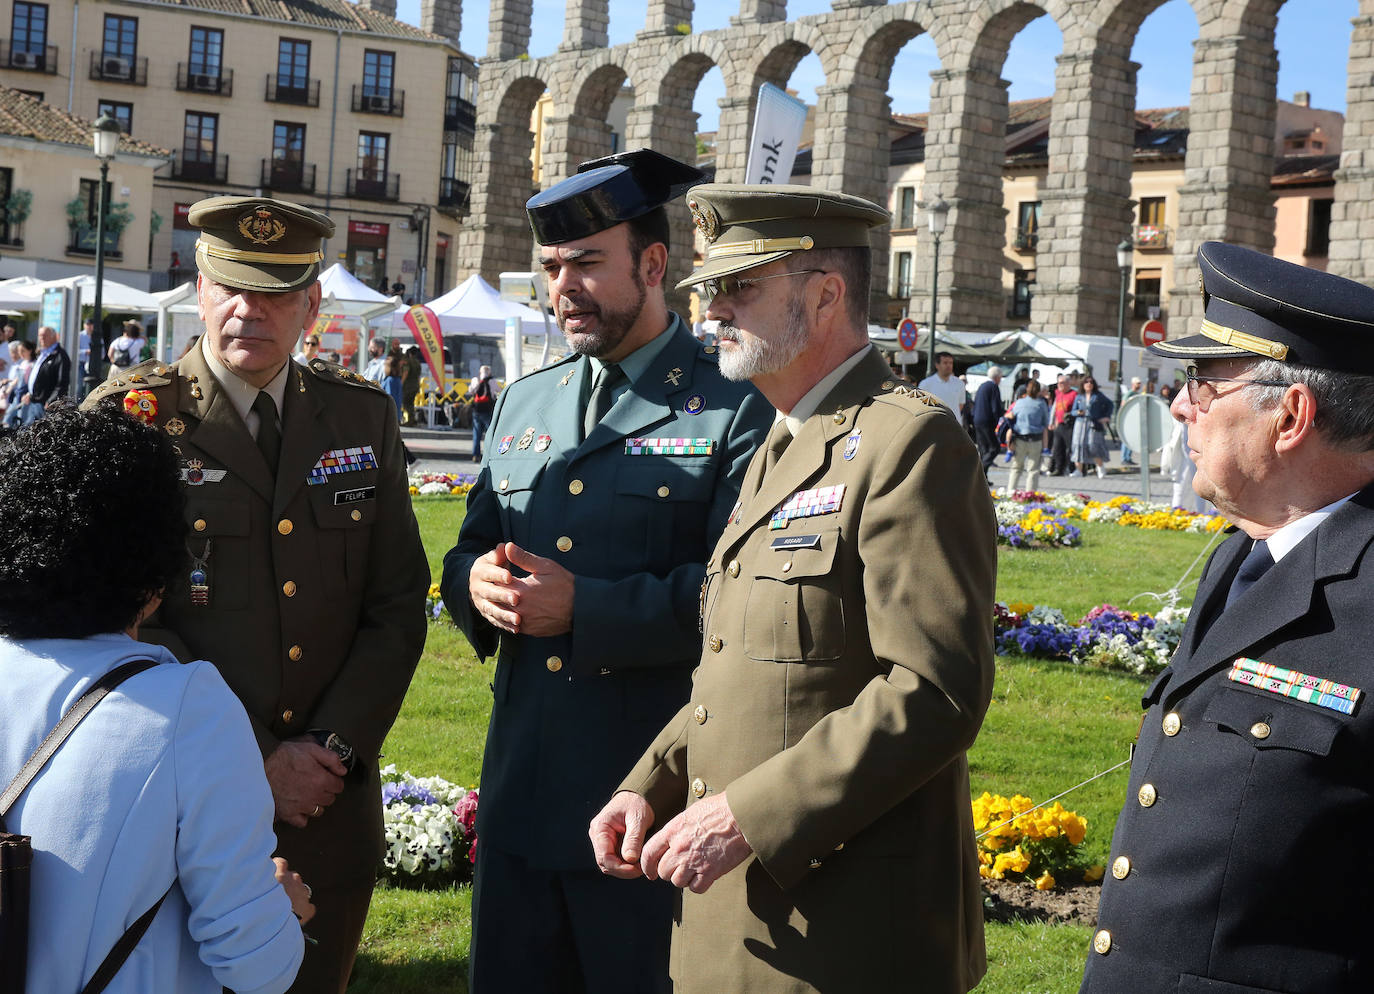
[(307, 589), (847, 666)]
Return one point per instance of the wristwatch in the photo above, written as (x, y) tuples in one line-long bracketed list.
[(336, 744)]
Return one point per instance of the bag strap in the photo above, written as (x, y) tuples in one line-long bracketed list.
[(69, 721), (116, 956)]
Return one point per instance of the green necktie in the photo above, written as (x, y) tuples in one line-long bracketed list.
[(602, 395), (269, 435)]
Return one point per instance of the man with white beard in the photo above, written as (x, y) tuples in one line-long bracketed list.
[(811, 798)]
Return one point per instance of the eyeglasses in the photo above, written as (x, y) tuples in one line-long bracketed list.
[(714, 288), (1194, 393)]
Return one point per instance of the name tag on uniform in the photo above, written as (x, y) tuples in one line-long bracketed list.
[(347, 460), (669, 446), (808, 504), (1292, 683), (353, 496), (784, 543)]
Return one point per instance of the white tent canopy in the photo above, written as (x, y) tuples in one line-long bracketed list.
[(339, 283), (474, 307), (115, 296)]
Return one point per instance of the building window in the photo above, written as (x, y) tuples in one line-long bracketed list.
[(901, 271), (378, 69), (293, 64), (1027, 227), (87, 193), (29, 29), (199, 144), (120, 40), (906, 207), (121, 112), (372, 156), (6, 188), (1022, 282), (207, 50), (1147, 290), (1319, 227), (1152, 211), (288, 142)]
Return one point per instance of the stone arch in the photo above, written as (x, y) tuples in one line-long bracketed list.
[(672, 78), (577, 130), (1352, 214)]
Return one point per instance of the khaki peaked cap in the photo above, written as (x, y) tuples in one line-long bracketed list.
[(748, 225), (257, 243)]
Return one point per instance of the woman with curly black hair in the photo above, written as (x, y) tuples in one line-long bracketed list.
[(162, 784)]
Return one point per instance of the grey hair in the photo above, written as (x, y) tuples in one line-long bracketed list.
[(1345, 411)]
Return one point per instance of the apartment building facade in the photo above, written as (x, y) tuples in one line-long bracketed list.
[(328, 103)]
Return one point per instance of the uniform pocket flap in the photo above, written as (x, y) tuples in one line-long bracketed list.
[(1268, 721), (667, 480), (519, 474), (217, 518), (805, 554), (353, 515)]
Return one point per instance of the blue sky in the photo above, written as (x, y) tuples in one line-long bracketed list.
[(1313, 42)]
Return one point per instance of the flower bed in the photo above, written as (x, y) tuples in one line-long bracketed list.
[(434, 606), (444, 484), (1043, 846), (1106, 637), (1126, 511), (1034, 525), (431, 830)]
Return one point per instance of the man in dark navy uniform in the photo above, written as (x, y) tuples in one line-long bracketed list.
[(607, 479), (1235, 864)]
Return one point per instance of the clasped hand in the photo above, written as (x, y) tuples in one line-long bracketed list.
[(540, 604), (693, 850), (305, 777)]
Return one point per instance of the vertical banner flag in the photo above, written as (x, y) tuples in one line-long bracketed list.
[(323, 325), (424, 325), (778, 122)]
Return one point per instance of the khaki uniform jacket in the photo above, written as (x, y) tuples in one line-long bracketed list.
[(317, 591), (847, 666)]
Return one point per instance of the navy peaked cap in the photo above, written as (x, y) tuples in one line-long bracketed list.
[(608, 191), (1256, 305)]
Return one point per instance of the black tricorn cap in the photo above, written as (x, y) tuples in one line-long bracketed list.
[(608, 191)]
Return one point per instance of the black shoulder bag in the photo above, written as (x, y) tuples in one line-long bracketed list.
[(16, 855)]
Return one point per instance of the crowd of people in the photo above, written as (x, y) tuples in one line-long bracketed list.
[(740, 600)]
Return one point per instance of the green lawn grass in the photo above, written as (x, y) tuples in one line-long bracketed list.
[(1050, 726)]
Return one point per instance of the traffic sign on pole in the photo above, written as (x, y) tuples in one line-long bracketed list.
[(907, 333), (1152, 333)]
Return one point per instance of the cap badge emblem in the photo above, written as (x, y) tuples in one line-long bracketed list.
[(261, 228), (706, 220)]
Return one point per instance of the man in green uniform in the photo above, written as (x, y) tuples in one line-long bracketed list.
[(308, 580), (607, 478), (812, 797)]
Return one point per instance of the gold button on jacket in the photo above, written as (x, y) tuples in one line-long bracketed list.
[(829, 722)]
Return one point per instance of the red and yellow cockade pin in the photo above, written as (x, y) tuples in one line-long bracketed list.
[(141, 404)]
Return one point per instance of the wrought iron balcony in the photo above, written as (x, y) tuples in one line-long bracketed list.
[(282, 176), (33, 58), (112, 68), (460, 115), (373, 100), (293, 90), (371, 184), (1152, 236), (453, 192), (204, 81), (197, 167), (1026, 239)]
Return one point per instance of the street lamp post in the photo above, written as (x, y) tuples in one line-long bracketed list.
[(419, 219), (104, 141), (938, 214), (1124, 252)]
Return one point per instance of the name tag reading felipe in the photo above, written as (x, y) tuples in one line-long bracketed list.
[(784, 543)]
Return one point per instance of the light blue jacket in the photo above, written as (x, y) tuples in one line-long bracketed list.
[(162, 781)]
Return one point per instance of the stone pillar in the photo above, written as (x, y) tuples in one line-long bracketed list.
[(584, 25), (852, 131), (732, 138), (1086, 206), (387, 7), (508, 29), (667, 17), (1352, 215), (672, 131), (965, 149), (760, 11), (571, 140), (496, 237), (1230, 166), (442, 17)]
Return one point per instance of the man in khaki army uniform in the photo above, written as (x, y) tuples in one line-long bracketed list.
[(812, 797), (308, 579)]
